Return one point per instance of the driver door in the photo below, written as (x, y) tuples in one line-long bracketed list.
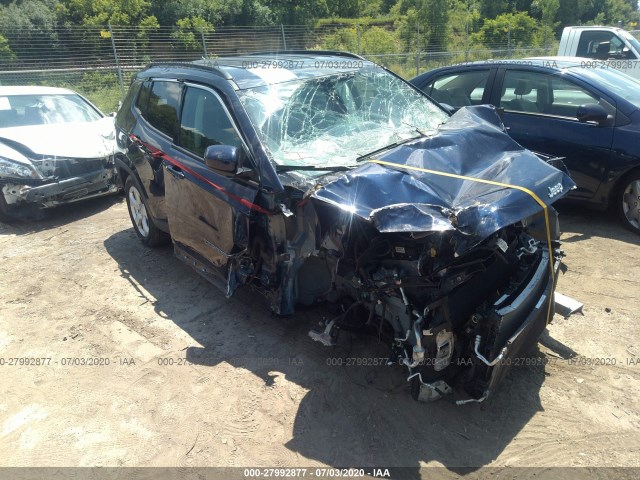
[(207, 210)]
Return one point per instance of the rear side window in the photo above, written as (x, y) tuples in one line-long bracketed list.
[(162, 108), (205, 122), (143, 98), (459, 89), (124, 118)]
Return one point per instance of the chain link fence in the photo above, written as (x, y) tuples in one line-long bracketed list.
[(98, 62)]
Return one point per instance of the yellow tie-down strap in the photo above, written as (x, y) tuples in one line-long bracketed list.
[(497, 184)]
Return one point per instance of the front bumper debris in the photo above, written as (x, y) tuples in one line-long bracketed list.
[(52, 192)]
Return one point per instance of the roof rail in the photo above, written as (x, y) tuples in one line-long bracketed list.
[(211, 67), (336, 53), (211, 64)]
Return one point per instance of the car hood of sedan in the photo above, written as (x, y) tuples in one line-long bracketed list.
[(469, 177), (68, 140)]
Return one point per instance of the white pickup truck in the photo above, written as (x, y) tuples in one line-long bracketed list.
[(608, 46)]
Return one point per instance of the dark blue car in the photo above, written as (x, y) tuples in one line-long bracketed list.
[(572, 108), (320, 177)]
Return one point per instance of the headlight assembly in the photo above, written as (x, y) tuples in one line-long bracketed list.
[(11, 169)]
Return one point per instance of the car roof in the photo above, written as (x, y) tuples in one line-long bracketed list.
[(34, 90), (549, 63), (266, 68), (595, 27)]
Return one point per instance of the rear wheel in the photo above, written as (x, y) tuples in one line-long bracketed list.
[(628, 201), (4, 210), (146, 230)]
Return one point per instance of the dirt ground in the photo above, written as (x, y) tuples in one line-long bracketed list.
[(194, 379)]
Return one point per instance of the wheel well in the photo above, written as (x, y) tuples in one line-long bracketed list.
[(619, 184), (123, 171)]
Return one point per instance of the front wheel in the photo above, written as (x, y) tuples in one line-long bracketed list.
[(628, 202), (146, 230)]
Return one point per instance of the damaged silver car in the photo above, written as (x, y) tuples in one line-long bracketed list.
[(320, 177), (55, 148)]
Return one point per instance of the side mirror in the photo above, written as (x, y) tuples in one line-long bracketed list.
[(592, 112), (223, 158)]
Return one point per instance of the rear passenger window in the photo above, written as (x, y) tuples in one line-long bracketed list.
[(459, 89), (162, 111), (205, 122), (524, 91)]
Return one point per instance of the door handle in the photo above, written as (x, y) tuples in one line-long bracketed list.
[(175, 171)]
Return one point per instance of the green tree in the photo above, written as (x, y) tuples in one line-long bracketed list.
[(6, 54), (103, 12), (426, 24), (255, 12), (618, 11), (343, 8), (514, 29), (31, 27), (298, 12), (464, 19), (378, 40), (493, 8), (189, 30), (343, 39), (546, 11), (576, 12)]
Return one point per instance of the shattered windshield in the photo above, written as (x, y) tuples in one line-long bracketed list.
[(332, 120)]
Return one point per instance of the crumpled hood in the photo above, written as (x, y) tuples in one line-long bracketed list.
[(68, 140), (399, 197)]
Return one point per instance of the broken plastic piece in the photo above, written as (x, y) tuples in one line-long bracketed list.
[(326, 337), (566, 306)]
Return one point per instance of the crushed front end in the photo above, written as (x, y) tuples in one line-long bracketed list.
[(451, 320), (42, 182), (445, 247)]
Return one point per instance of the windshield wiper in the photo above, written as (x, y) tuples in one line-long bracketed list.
[(388, 147), (313, 168)]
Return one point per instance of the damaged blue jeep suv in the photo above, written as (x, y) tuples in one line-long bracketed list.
[(322, 177)]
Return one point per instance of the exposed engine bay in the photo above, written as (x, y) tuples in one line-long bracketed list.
[(452, 263), (446, 317)]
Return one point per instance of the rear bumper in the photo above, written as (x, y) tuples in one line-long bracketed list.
[(56, 192)]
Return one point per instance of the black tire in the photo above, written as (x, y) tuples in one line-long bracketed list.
[(628, 201), (4, 210), (145, 229)]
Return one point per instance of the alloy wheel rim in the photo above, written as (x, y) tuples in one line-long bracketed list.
[(138, 212), (631, 203)]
